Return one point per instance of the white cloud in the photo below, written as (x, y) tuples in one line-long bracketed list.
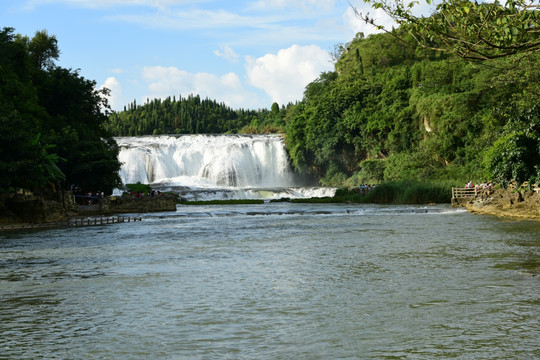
[(192, 19), (228, 88), (161, 4), (299, 4), (284, 76), (227, 54), (358, 25), (117, 70), (380, 17), (116, 100)]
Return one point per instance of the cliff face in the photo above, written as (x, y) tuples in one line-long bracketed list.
[(508, 203)]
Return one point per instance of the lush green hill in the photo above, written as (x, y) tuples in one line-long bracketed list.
[(390, 111)]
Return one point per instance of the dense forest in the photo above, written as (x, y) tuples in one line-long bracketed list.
[(453, 96), (392, 111), (193, 115), (51, 121)]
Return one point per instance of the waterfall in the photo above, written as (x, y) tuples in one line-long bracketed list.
[(212, 166)]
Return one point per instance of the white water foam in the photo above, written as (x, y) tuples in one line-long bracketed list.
[(205, 167)]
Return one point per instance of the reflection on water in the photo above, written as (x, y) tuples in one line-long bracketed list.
[(275, 281)]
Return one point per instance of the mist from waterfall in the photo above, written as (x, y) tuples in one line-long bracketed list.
[(206, 167)]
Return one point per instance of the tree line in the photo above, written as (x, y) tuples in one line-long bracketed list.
[(192, 115)]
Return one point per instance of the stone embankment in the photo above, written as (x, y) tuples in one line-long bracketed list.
[(128, 204), (524, 204), (27, 208)]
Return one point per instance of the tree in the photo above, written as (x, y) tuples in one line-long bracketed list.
[(516, 155), (474, 31), (51, 121), (25, 159), (42, 49)]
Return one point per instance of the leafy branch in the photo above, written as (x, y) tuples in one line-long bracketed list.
[(471, 30)]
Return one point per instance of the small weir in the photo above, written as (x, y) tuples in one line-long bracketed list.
[(76, 222)]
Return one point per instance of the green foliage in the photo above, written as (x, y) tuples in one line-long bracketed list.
[(410, 117), (516, 155), (471, 30), (371, 172), (393, 192), (139, 188), (43, 49), (51, 121), (193, 115), (513, 157), (411, 192)]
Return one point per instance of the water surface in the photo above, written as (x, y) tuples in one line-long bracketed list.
[(275, 281)]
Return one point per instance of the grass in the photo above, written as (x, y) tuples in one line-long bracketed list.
[(223, 202), (138, 187), (411, 192), (391, 192)]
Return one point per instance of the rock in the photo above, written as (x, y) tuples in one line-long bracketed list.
[(25, 207), (56, 207), (509, 203)]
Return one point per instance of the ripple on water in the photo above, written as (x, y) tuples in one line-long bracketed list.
[(293, 281)]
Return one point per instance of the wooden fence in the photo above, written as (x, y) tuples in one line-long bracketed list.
[(72, 223), (464, 192)]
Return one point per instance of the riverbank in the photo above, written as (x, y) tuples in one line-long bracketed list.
[(507, 203)]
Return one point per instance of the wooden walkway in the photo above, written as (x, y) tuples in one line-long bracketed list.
[(71, 223)]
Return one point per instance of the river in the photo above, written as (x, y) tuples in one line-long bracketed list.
[(275, 281)]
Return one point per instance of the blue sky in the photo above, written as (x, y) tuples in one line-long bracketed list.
[(246, 53)]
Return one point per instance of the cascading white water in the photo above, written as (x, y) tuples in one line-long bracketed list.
[(213, 166)]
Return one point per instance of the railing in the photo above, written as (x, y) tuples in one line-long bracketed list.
[(464, 192), (101, 221), (71, 223)]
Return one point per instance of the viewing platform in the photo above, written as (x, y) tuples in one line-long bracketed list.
[(464, 195)]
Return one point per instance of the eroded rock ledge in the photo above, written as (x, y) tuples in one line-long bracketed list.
[(524, 205), (28, 208)]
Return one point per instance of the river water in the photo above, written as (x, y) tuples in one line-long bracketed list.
[(275, 281)]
